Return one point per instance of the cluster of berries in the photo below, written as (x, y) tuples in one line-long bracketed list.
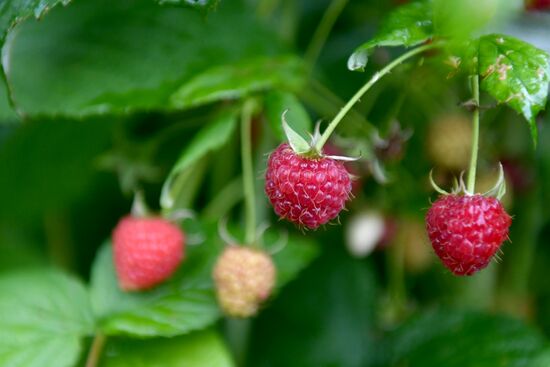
[(308, 188)]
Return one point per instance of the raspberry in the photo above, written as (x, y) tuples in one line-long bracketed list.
[(466, 231), (306, 191), (244, 278), (538, 4), (147, 251)]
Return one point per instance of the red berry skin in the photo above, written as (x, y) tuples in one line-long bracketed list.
[(306, 191), (147, 251), (538, 5), (466, 231)]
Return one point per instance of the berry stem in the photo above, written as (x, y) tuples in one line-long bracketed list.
[(322, 32), (248, 171), (475, 135), (95, 350), (377, 76)]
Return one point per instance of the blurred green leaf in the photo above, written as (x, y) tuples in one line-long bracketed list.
[(211, 137), (276, 102), (239, 80), (13, 12), (461, 18), (323, 318), (7, 114), (408, 25), (515, 73), (46, 165), (184, 303), (452, 338), (298, 253), (43, 316), (98, 57), (19, 249), (198, 349)]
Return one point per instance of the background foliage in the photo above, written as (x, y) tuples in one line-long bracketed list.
[(100, 96)]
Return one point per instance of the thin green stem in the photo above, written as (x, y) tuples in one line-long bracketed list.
[(377, 76), (248, 171), (323, 30), (95, 350), (475, 135)]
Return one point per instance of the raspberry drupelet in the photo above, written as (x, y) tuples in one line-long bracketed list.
[(466, 231), (306, 191)]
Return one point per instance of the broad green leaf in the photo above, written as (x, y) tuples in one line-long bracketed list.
[(238, 80), (19, 249), (15, 11), (98, 57), (455, 339), (298, 253), (323, 318), (408, 25), (184, 303), (515, 73), (459, 19), (46, 165), (213, 136), (7, 114), (43, 316), (198, 349), (276, 102)]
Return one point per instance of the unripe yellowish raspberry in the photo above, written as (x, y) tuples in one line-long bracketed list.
[(244, 278), (450, 142)]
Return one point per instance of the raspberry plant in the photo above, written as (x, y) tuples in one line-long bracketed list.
[(203, 111)]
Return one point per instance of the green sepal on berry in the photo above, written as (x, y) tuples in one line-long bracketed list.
[(459, 187), (310, 149)]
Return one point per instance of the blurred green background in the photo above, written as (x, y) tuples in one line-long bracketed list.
[(107, 94)]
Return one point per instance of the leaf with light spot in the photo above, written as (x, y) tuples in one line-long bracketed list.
[(515, 73), (408, 25)]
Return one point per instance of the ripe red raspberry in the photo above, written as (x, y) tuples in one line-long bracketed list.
[(466, 231), (538, 4), (147, 251), (244, 278), (306, 191)]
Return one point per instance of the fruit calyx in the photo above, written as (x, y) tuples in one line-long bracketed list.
[(306, 149), (459, 187)]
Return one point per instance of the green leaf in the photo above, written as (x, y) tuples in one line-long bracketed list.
[(408, 25), (276, 102), (298, 253), (184, 303), (515, 73), (450, 338), (213, 136), (47, 165), (459, 19), (13, 12), (102, 56), (323, 318), (7, 114), (238, 80), (198, 349), (43, 316)]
